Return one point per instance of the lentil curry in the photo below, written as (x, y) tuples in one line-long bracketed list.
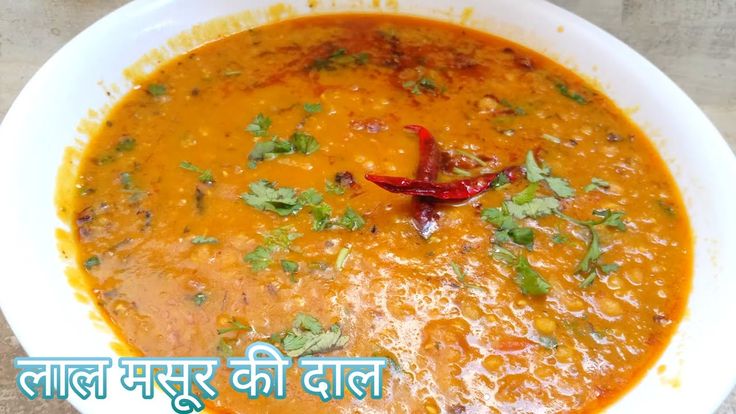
[(531, 254)]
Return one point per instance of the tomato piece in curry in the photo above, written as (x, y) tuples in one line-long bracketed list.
[(225, 197)]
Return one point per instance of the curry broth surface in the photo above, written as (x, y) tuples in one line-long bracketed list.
[(472, 345)]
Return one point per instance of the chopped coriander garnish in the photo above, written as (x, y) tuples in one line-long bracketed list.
[(313, 108), (535, 208), (204, 240), (517, 109), (334, 188), (529, 280), (199, 298), (668, 208), (304, 142), (342, 257), (91, 262), (340, 58), (589, 265), (351, 220), (308, 337), (310, 197), (265, 196), (535, 173), (259, 125), (322, 216), (268, 150), (424, 84), (280, 238), (506, 228), (259, 258), (566, 92), (125, 144), (595, 184), (157, 89), (526, 195), (205, 176), (235, 326), (224, 348), (289, 266), (126, 180)]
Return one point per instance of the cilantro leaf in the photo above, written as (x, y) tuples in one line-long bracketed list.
[(595, 184), (565, 91), (351, 220), (527, 194), (611, 218), (265, 196), (307, 322), (199, 298), (91, 262), (334, 188), (310, 197), (289, 266), (308, 337), (538, 207), (535, 173), (280, 239), (560, 186), (157, 89), (259, 258), (205, 176), (322, 215), (530, 282), (259, 125), (204, 240), (304, 142), (313, 108), (268, 150), (522, 236), (592, 254), (234, 327), (125, 144)]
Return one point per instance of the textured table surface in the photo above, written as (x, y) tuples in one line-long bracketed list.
[(693, 41)]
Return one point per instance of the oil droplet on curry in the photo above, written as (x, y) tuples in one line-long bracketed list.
[(225, 201)]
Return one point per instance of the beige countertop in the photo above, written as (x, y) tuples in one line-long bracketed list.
[(693, 41)]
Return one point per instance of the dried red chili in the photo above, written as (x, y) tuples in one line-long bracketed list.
[(458, 190), (424, 214)]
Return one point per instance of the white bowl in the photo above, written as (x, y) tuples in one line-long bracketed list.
[(41, 307)]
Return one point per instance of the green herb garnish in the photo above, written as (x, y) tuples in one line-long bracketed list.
[(205, 176), (157, 89), (204, 240), (313, 108), (566, 92), (91, 262), (235, 326), (308, 337), (535, 173), (259, 258), (595, 184), (304, 143), (199, 298), (259, 125)]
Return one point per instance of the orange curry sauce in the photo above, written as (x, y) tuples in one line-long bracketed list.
[(174, 251)]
